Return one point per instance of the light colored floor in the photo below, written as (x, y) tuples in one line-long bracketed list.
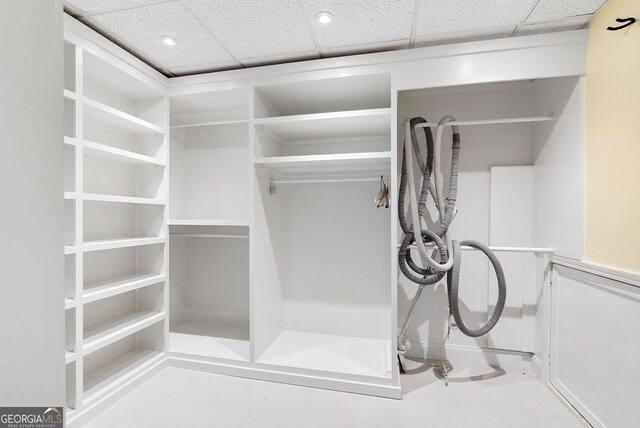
[(474, 398)]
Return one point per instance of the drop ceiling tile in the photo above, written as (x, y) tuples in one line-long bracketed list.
[(140, 30), (449, 16), (548, 10), (359, 22), (368, 48), (552, 27), (203, 68), (249, 29), (464, 36), (279, 59), (97, 6)]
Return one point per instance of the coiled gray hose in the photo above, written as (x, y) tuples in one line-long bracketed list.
[(453, 281), (430, 275)]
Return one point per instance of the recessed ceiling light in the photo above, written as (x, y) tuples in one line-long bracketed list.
[(324, 17), (169, 41)]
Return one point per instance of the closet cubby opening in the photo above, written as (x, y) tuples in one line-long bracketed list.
[(69, 66), (69, 222), (121, 315), (70, 386), (342, 94), (99, 133), (209, 175), (115, 220), (106, 177), (70, 276), (70, 331), (224, 107), (321, 294), (69, 117), (111, 272), (69, 168), (209, 302), (115, 364), (115, 88)]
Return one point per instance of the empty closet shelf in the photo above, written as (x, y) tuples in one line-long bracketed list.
[(332, 353), (69, 303), (103, 151), (332, 163), (108, 376), (117, 119), (319, 126), (69, 357), (109, 244), (103, 289), (216, 341), (104, 333), (98, 197)]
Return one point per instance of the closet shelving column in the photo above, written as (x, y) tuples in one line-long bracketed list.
[(116, 129), (320, 268), (209, 226)]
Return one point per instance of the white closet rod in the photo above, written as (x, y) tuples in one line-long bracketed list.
[(488, 121), (329, 180), (503, 249), (209, 235)]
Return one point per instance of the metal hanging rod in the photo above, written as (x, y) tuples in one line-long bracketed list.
[(329, 180), (488, 121), (209, 235)]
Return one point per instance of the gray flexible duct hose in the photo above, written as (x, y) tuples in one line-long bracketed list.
[(453, 282)]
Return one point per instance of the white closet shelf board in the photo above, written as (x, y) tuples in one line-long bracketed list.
[(103, 289), (102, 151), (222, 341), (333, 163), (69, 303), (104, 333), (112, 117), (107, 75), (102, 379), (69, 94), (109, 244), (69, 357), (70, 141), (324, 126), (97, 197), (331, 353), (211, 123), (70, 249)]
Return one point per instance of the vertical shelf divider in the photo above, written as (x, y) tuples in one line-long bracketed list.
[(79, 230)]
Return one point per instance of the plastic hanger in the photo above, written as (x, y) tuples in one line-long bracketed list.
[(383, 194)]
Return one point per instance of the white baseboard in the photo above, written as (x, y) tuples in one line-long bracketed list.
[(470, 356), (80, 417), (535, 368), (268, 373)]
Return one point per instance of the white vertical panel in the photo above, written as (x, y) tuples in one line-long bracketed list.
[(32, 216), (596, 343), (510, 224)]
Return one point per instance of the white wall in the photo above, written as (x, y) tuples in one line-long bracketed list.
[(31, 219)]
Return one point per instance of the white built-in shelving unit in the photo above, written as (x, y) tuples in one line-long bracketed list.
[(227, 223), (116, 144)]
